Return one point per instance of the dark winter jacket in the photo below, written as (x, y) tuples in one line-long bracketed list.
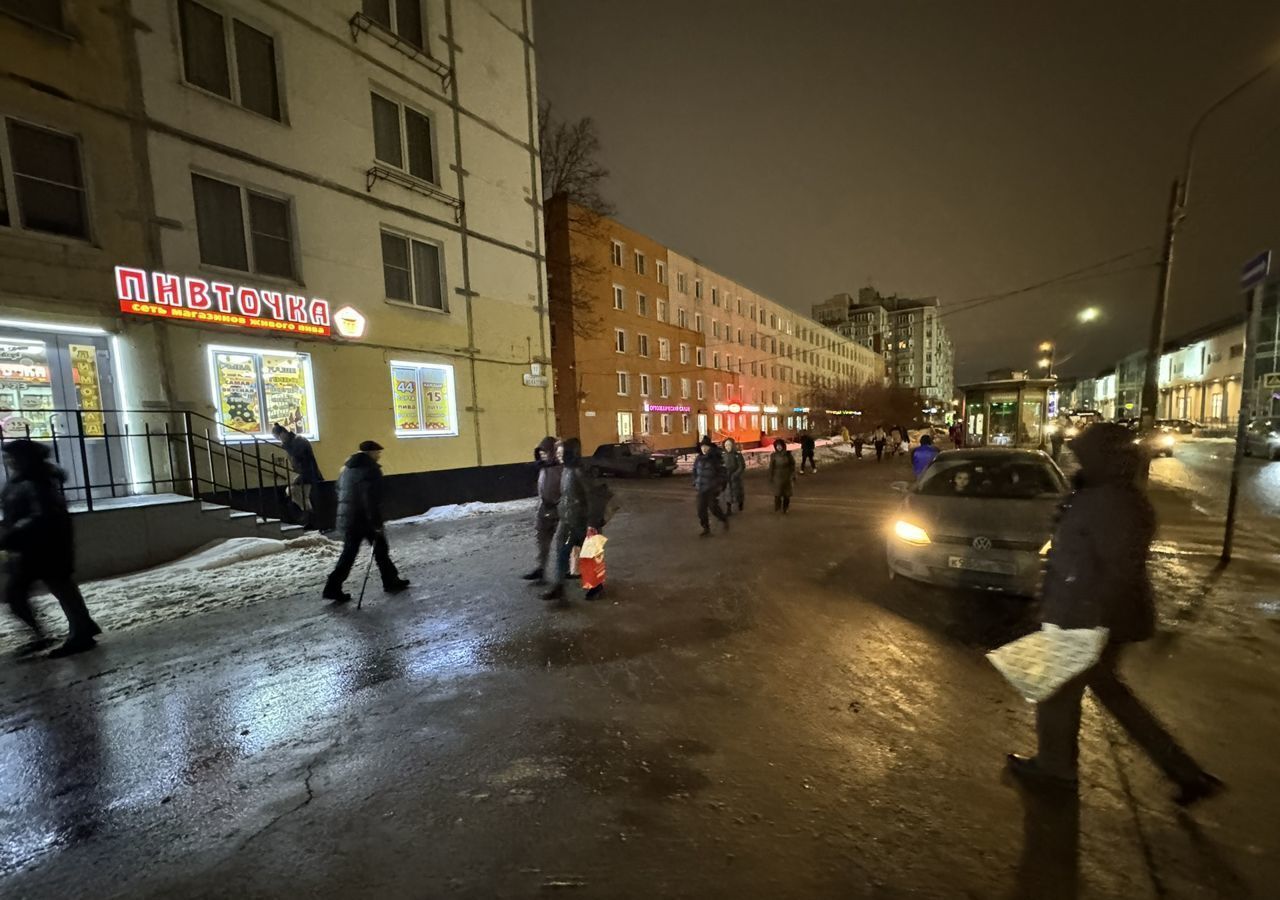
[(1097, 572), (807, 443), (549, 474), (709, 472), (782, 472), (360, 497), (735, 464), (37, 526), (575, 489), (302, 458)]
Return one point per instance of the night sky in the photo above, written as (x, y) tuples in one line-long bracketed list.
[(937, 148)]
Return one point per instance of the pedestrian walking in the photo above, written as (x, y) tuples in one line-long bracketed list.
[(709, 480), (360, 519), (735, 467), (302, 458), (858, 441), (39, 543), (1097, 578), (574, 509), (547, 516), (808, 446), (924, 455), (782, 475), (878, 440)]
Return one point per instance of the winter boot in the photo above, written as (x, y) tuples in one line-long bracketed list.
[(595, 592), (73, 646), (535, 575), (336, 594), (706, 531), (395, 587)]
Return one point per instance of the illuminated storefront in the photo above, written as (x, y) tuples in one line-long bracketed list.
[(1007, 413)]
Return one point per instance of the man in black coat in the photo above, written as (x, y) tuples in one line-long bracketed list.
[(547, 516), (1097, 578), (305, 468), (38, 539), (709, 480), (808, 447), (360, 519)]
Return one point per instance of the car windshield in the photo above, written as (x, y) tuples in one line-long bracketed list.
[(992, 478)]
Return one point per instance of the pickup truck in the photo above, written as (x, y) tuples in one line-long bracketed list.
[(629, 459)]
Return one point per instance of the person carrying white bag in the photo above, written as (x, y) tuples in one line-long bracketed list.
[(1098, 595)]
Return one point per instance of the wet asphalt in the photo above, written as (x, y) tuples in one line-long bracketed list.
[(755, 714)]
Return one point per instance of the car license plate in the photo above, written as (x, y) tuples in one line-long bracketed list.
[(994, 566)]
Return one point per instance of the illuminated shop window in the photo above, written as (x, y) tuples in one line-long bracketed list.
[(422, 397), (254, 389)]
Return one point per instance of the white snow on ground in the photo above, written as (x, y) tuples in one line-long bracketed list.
[(244, 571)]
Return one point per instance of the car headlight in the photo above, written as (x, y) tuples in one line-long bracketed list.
[(1137, 440), (1072, 432), (1166, 441), (1051, 429), (911, 534), (1048, 545)]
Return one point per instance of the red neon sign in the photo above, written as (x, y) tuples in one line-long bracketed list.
[(189, 299)]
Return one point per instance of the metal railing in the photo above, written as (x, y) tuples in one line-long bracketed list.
[(117, 454)]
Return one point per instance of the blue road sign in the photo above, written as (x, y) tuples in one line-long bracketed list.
[(1255, 271)]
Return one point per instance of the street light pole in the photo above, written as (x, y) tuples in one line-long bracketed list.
[(1177, 212)]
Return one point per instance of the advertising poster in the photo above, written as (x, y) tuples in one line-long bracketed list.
[(284, 388), (84, 372), (239, 406), (437, 399), (404, 398), (26, 388)]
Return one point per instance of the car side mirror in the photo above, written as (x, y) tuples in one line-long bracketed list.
[(901, 487)]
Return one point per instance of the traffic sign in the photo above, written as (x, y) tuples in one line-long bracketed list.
[(1255, 271)]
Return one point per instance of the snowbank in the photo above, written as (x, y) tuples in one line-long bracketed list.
[(457, 511)]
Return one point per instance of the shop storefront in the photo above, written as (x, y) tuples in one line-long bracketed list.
[(1008, 413)]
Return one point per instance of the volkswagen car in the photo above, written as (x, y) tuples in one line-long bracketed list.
[(978, 518)]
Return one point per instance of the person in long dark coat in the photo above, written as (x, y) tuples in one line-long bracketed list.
[(709, 481), (808, 447), (735, 467), (576, 514), (360, 519), (1097, 578), (306, 471), (782, 475), (547, 516), (38, 539)]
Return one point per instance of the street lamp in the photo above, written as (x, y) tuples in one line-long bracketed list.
[(1177, 212), (1045, 363), (1088, 315)]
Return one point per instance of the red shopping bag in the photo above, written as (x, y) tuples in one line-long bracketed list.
[(591, 560)]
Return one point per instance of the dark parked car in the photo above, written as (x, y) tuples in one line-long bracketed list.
[(629, 459), (1262, 438), (1181, 426)]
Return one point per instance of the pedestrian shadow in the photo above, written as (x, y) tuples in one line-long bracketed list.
[(1049, 865)]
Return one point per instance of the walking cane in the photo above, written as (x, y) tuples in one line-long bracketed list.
[(365, 583)]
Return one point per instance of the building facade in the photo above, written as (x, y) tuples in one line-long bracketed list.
[(740, 365), (908, 333), (1200, 375), (324, 217)]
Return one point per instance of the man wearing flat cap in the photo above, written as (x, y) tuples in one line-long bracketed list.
[(360, 519)]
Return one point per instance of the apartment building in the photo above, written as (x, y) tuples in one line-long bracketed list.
[(324, 216), (908, 333)]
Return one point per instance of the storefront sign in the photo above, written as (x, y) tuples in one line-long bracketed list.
[(218, 303), (84, 373), (771, 410), (664, 408), (350, 322)]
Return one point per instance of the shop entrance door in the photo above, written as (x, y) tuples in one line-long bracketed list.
[(59, 389)]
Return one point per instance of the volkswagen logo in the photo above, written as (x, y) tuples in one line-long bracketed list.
[(982, 543)]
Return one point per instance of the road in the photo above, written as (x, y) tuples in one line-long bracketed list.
[(1204, 468), (756, 714)]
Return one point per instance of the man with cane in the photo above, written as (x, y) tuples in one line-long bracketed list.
[(360, 519)]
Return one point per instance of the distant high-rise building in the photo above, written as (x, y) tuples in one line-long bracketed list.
[(906, 331)]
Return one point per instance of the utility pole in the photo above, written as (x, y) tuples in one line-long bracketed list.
[(1151, 375), (1253, 280)]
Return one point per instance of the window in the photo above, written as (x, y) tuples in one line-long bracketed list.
[(226, 213), (422, 400), (639, 262), (660, 271), (682, 318), (642, 305), (664, 386), (715, 328), (402, 138), (616, 253), (411, 271), (715, 390), (715, 296), (701, 356), (644, 423), (619, 340), (718, 422), (682, 283), (684, 388), (400, 17), (644, 385), (739, 307), (226, 57), (684, 423), (753, 341), (664, 349), (665, 420), (619, 299), (642, 344), (253, 389), (662, 310), (697, 288), (684, 354), (624, 384), (697, 321), (739, 335), (48, 183), (702, 390), (715, 360)]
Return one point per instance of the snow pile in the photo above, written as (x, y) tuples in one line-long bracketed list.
[(456, 511)]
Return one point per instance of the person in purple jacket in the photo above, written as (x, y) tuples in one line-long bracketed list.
[(924, 455)]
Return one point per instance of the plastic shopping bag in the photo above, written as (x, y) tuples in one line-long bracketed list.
[(591, 560), (1040, 663)]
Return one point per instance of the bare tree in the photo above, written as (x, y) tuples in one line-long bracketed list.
[(571, 170)]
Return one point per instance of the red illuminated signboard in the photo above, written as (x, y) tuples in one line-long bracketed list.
[(189, 299)]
